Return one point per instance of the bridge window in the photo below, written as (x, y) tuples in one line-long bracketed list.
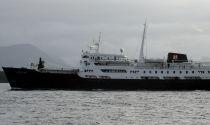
[(85, 56)]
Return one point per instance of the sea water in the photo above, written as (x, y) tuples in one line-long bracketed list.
[(47, 107)]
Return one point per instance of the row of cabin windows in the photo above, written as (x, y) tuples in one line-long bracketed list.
[(88, 70), (172, 78), (134, 71), (96, 58), (201, 72), (114, 70), (101, 58)]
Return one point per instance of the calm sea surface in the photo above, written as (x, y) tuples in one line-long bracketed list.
[(103, 107)]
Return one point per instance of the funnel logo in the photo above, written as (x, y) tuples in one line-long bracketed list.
[(175, 57)]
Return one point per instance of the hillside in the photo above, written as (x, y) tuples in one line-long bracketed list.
[(22, 55), (3, 78)]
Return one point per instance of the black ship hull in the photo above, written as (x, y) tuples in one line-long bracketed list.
[(22, 78)]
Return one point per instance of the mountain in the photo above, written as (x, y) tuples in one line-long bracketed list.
[(22, 55), (3, 78)]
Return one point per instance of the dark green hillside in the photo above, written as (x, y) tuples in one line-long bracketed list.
[(3, 78)]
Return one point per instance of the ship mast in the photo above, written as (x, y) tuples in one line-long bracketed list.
[(141, 57), (98, 43)]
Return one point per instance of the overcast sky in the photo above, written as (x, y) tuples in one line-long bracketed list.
[(65, 27)]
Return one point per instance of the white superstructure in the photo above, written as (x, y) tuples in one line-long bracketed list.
[(117, 66)]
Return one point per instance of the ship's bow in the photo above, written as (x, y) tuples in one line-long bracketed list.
[(13, 76)]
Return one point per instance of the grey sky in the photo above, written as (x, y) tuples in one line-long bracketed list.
[(65, 27)]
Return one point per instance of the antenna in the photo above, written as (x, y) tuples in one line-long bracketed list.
[(141, 57), (99, 39), (121, 51), (98, 44), (91, 46)]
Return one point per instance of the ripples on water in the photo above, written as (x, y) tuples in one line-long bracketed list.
[(103, 107)]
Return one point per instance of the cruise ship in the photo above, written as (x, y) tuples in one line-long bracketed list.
[(100, 71)]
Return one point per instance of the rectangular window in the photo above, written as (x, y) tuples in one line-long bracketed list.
[(114, 70)]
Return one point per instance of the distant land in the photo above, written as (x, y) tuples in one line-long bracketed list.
[(3, 78), (22, 55)]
